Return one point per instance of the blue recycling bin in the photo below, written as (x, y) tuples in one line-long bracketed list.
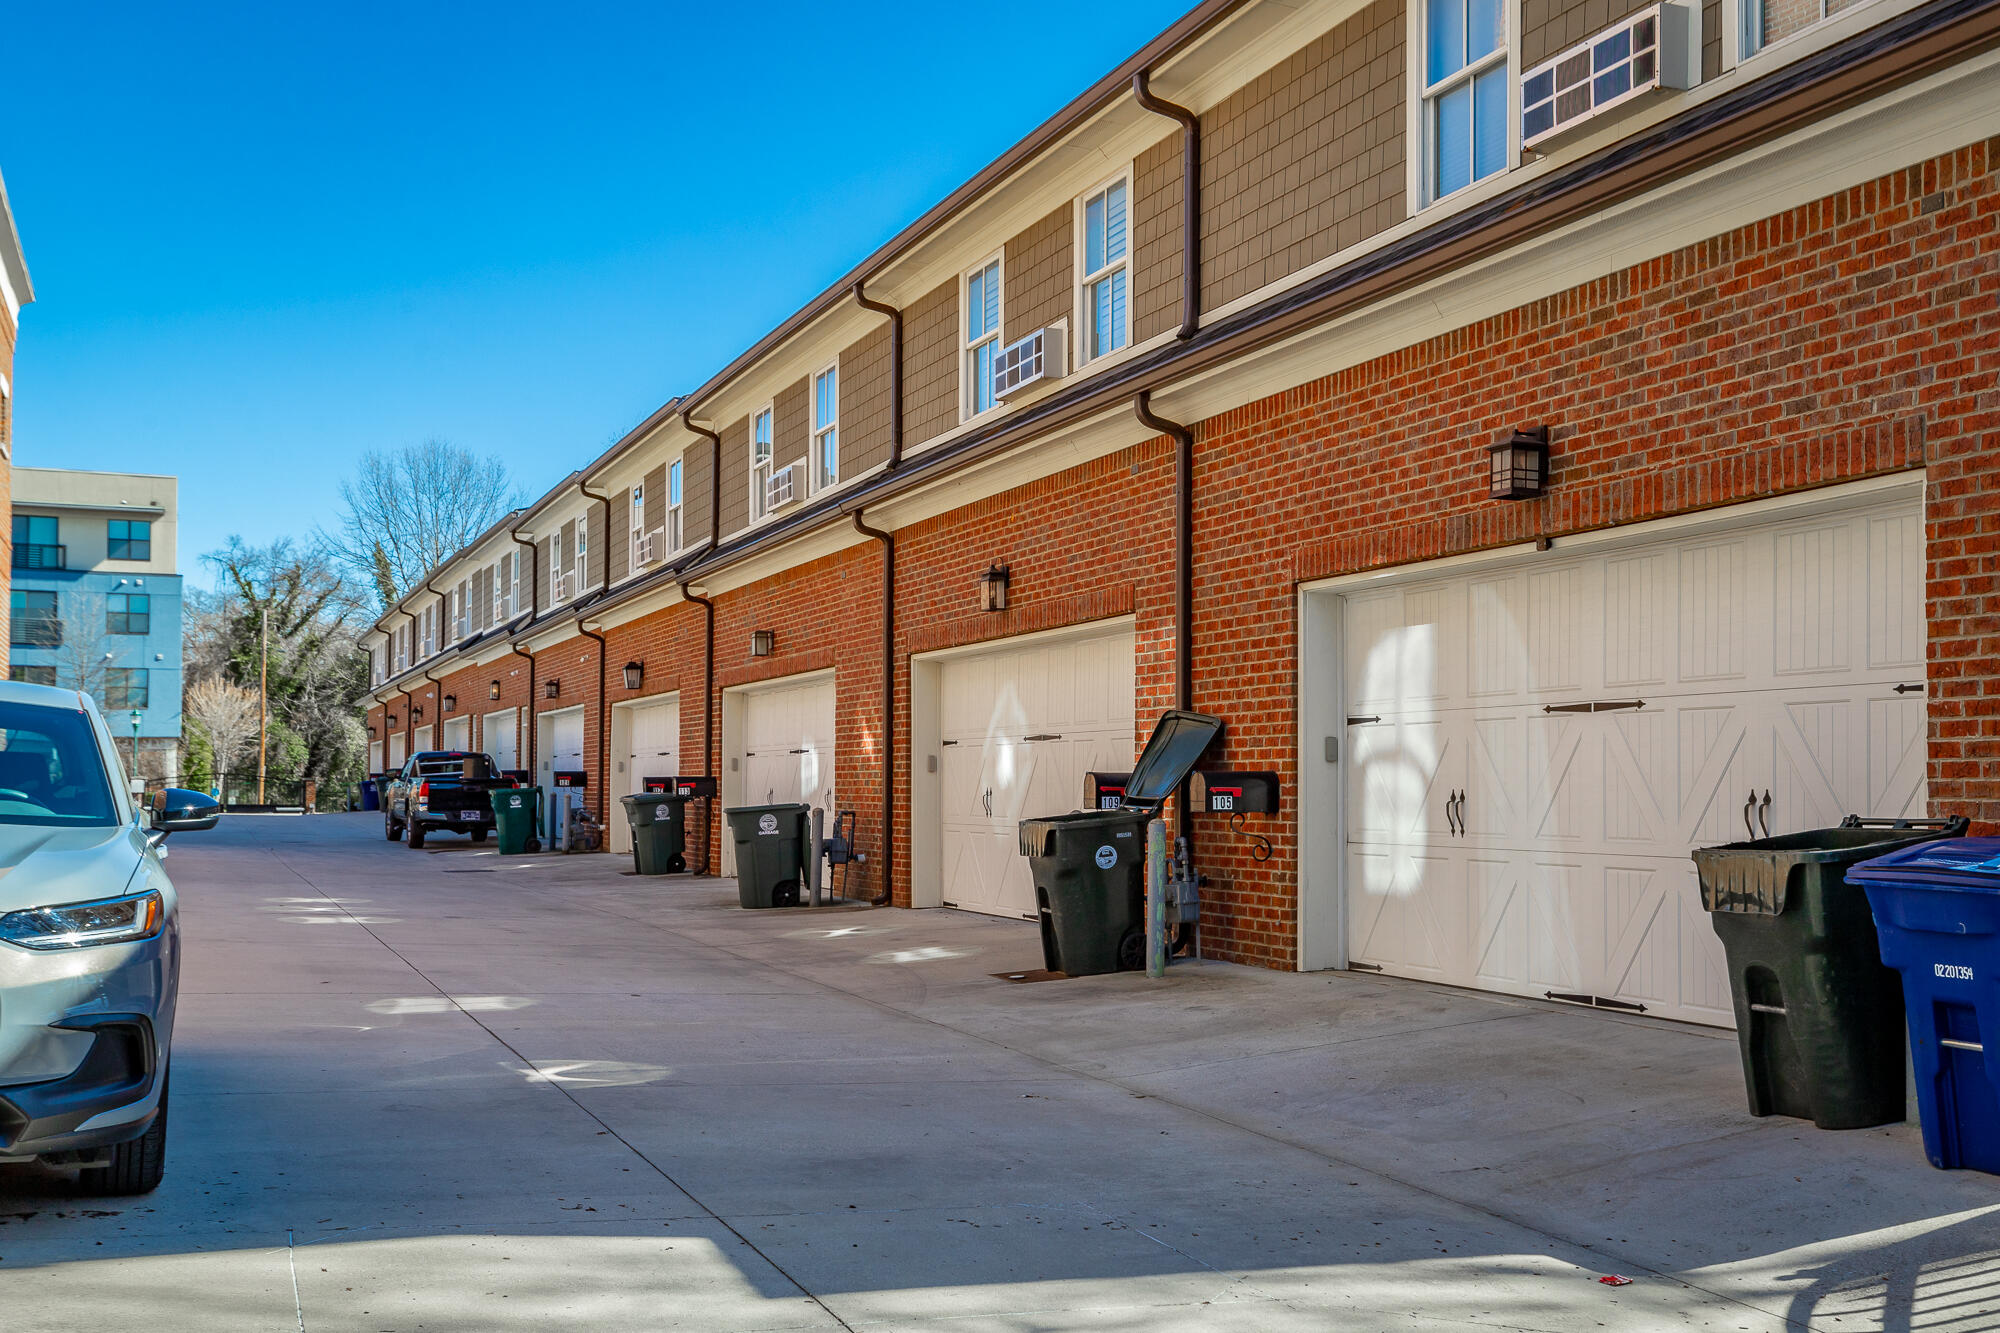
[(1937, 914), (371, 798)]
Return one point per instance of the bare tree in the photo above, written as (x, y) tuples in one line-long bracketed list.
[(404, 512), (228, 713)]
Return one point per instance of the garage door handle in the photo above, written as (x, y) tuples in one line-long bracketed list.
[(1748, 807), (1909, 689), (1050, 736), (1764, 813), (807, 750)]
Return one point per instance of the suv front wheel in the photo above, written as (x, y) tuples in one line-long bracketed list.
[(137, 1165)]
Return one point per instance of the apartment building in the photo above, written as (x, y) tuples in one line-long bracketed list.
[(96, 601), (1552, 436), (15, 291)]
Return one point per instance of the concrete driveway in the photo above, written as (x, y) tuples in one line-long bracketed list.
[(452, 1090)]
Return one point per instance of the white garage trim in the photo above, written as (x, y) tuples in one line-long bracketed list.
[(1324, 802), (635, 758), (457, 733), (500, 737), (815, 696), (929, 812)]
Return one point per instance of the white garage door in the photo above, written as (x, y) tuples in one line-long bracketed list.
[(398, 752), (458, 733), (787, 751), (653, 750), (422, 740), (374, 756), (497, 733), (1535, 750), (564, 753), (1020, 727)]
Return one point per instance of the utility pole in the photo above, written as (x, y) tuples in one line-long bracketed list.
[(263, 696)]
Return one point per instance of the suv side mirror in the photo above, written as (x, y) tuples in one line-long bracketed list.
[(178, 810)]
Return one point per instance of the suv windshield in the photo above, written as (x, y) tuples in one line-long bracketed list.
[(51, 772), (473, 766)]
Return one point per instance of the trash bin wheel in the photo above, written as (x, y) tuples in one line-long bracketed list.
[(676, 864), (785, 895), (1132, 950), (534, 844)]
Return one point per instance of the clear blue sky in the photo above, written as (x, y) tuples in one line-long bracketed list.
[(267, 237)]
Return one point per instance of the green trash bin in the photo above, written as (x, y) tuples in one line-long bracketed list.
[(1089, 867), (770, 853), (514, 810), (659, 832), (1819, 1019)]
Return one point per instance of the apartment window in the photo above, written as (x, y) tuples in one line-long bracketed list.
[(1106, 323), (1767, 21), (760, 463), (429, 626), (826, 427), (401, 640), (982, 335), (673, 537), (375, 669), (128, 613), (32, 675), (582, 552), (125, 687), (499, 575), (1465, 93), (638, 526), (37, 543), (129, 539), (462, 623), (34, 623), (555, 569)]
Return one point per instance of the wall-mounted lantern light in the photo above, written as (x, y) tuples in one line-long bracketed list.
[(762, 641), (493, 690), (450, 702), (993, 588), (392, 719), (552, 689), (1519, 465), (416, 710), (635, 673), (371, 728)]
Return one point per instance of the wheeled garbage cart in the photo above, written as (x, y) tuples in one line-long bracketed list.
[(659, 832), (770, 853)]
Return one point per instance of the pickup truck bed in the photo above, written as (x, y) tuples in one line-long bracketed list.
[(442, 791)]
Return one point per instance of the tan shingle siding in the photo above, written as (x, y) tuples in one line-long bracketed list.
[(1156, 239), (1307, 159), (864, 403), (930, 375), (790, 430), (735, 475), (654, 516), (1036, 276)]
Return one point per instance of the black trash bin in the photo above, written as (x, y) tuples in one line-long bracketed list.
[(1090, 867), (1819, 1019), (770, 853), (659, 832)]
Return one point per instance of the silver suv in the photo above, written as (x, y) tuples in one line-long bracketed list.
[(89, 946)]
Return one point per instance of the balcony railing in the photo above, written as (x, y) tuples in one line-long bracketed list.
[(35, 631), (40, 555)]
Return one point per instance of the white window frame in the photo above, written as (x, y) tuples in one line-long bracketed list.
[(760, 472), (1085, 326), (462, 610), (823, 431), (637, 522), (428, 632), (555, 568), (1418, 121), (671, 527), (582, 580), (968, 346)]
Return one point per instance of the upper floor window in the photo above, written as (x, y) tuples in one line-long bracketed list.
[(982, 335), (1106, 324), (34, 622), (1465, 93), (125, 687), (555, 569), (1767, 21), (582, 552), (429, 627), (760, 463), (826, 427), (401, 639), (375, 669), (37, 543), (461, 624), (640, 554), (673, 537), (129, 539), (501, 575), (128, 613)]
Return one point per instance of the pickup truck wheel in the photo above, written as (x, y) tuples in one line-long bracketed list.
[(135, 1167), (390, 828), (416, 836), (479, 835)]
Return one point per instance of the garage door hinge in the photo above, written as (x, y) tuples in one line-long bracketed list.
[(1357, 721), (1364, 967), (1595, 1002), (1048, 736)]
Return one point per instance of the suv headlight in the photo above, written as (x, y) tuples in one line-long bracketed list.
[(77, 925)]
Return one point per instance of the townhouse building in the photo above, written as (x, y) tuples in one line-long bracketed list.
[(1550, 435), (15, 291), (96, 601)]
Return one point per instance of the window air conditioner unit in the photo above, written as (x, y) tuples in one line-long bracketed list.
[(1652, 50), (1035, 358), (780, 487), (644, 553), (565, 587)]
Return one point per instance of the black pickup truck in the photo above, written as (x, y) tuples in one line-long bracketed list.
[(442, 791)]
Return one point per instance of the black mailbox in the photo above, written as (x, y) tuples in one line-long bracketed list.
[(1104, 791), (571, 777), (1235, 793), (696, 787)]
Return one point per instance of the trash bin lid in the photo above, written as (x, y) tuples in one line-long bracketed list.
[(1171, 751), (1971, 865)]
